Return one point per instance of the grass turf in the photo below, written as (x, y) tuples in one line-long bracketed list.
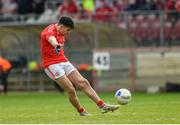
[(47, 108)]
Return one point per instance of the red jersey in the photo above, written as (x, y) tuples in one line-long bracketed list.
[(47, 50)]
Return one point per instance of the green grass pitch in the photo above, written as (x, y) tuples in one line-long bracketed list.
[(47, 108)]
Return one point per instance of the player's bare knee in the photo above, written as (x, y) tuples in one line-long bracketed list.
[(83, 83), (86, 82)]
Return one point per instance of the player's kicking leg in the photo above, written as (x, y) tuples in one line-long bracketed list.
[(57, 73), (76, 78), (66, 84)]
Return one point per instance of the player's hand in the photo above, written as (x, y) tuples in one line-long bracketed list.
[(57, 49)]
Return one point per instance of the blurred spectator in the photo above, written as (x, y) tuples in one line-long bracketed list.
[(8, 9), (169, 6), (86, 8), (149, 5), (118, 5), (171, 10), (0, 6), (5, 67), (25, 6), (98, 3), (104, 12), (131, 5), (177, 6), (69, 7), (88, 5), (159, 5), (83, 13), (38, 6), (177, 10)]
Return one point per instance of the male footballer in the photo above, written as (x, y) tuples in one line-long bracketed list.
[(59, 69)]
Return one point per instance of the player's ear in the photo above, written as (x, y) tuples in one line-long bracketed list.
[(61, 26)]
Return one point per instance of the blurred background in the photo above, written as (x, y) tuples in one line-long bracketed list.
[(116, 44)]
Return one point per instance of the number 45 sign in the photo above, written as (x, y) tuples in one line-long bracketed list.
[(101, 60)]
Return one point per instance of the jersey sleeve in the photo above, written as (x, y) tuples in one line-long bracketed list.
[(48, 34)]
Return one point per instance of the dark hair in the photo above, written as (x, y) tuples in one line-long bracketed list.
[(66, 21)]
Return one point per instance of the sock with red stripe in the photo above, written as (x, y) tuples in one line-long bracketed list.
[(100, 103), (81, 110)]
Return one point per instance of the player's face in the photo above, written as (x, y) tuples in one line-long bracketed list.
[(64, 30)]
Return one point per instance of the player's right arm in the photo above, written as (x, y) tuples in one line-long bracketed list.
[(52, 40)]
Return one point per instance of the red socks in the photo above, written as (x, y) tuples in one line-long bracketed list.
[(81, 110), (100, 103)]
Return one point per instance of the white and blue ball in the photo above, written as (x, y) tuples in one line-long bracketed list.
[(123, 96)]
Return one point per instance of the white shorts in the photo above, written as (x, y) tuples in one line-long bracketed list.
[(55, 71)]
